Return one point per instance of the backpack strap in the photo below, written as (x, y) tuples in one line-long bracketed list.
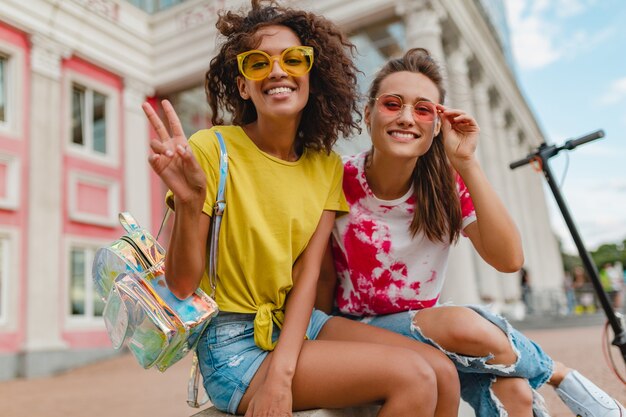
[(193, 385), (218, 211)]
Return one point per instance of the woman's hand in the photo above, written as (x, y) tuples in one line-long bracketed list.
[(460, 135), (270, 400), (172, 159)]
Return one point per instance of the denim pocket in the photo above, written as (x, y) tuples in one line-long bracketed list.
[(227, 333)]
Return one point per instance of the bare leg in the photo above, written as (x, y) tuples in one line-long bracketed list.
[(464, 331), (515, 395), (560, 371), (341, 329), (332, 374)]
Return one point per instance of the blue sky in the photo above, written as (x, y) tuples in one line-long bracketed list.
[(571, 66)]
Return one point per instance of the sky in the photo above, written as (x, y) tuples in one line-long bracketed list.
[(570, 60)]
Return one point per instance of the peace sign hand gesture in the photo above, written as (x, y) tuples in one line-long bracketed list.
[(172, 159)]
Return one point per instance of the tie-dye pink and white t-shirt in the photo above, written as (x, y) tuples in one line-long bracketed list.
[(382, 269)]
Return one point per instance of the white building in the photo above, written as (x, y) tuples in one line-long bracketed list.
[(74, 143)]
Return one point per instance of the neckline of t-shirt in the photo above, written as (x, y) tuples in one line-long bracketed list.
[(368, 190), (271, 157)]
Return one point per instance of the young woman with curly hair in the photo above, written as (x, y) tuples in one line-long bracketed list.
[(288, 80)]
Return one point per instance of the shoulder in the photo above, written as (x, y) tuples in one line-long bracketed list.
[(205, 140), (353, 164), (330, 161)]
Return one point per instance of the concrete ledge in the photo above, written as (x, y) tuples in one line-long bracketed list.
[(369, 411)]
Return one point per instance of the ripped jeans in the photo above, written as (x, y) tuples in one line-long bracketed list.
[(475, 374)]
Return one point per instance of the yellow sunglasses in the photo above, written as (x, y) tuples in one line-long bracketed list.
[(257, 65)]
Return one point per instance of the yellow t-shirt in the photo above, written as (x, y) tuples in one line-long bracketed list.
[(272, 209)]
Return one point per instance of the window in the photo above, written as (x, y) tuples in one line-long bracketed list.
[(3, 88), (89, 117), (83, 299), (4, 265), (12, 91)]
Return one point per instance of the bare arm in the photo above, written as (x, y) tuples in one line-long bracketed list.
[(175, 164), (494, 234), (327, 283), (276, 389)]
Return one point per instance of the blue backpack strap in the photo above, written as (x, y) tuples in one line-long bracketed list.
[(220, 203), (218, 211)]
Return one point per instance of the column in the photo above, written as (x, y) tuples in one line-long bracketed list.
[(549, 273), (520, 212), (422, 23), (136, 150), (461, 283), (489, 278), (45, 261), (509, 282)]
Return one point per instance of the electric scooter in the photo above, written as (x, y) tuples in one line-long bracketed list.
[(541, 157)]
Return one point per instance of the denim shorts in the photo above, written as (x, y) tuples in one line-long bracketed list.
[(475, 374), (229, 358)]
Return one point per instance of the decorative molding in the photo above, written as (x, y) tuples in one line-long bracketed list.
[(199, 15), (112, 202), (108, 9), (421, 20), (46, 56)]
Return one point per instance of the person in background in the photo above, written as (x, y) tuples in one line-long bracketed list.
[(570, 294), (411, 195), (527, 290)]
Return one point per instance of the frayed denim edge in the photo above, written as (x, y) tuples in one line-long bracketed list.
[(467, 360), (507, 331)]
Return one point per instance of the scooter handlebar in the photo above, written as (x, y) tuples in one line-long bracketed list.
[(572, 143), (521, 162)]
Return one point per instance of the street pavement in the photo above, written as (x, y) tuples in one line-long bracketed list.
[(119, 387)]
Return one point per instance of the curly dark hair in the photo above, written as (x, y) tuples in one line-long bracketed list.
[(437, 207), (332, 107)]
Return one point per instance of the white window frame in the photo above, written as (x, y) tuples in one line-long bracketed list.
[(12, 198), (112, 111), (113, 207), (9, 267), (12, 126), (88, 320)]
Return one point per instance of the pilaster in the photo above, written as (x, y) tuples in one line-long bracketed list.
[(136, 150), (44, 294)]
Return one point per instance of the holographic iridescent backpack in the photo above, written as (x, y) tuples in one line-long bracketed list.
[(140, 311)]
